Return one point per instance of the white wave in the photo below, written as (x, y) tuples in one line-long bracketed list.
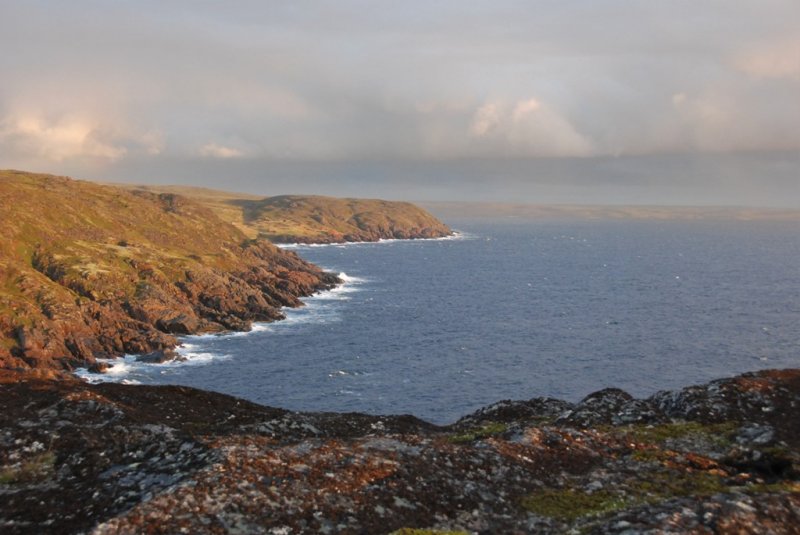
[(456, 235), (338, 293), (194, 357), (117, 372), (349, 279), (128, 370), (347, 373)]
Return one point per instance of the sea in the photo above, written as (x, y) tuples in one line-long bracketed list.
[(513, 309)]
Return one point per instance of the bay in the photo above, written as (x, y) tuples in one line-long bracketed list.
[(516, 309)]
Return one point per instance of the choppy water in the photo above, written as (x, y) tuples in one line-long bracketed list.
[(516, 310)]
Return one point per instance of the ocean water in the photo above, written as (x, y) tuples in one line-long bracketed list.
[(515, 309)]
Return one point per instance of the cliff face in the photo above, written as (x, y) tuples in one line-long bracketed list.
[(718, 458), (89, 270), (316, 219)]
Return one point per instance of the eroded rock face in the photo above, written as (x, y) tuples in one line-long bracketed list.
[(168, 459)]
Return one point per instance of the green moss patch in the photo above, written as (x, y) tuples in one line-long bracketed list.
[(718, 433), (570, 504), (478, 433)]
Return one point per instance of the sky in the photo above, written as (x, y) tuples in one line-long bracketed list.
[(562, 101)]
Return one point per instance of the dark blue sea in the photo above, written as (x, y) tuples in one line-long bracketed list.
[(516, 309)]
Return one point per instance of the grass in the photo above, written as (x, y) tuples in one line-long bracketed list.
[(34, 469)]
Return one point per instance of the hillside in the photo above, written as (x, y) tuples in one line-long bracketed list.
[(314, 218), (88, 270)]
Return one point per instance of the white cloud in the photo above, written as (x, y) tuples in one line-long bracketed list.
[(776, 60), (58, 140), (524, 108), (485, 120), (213, 150), (527, 128)]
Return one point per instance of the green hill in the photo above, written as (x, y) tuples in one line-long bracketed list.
[(88, 270)]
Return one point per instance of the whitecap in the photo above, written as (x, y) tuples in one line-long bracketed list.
[(456, 235)]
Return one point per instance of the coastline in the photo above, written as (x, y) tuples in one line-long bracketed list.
[(189, 351), (454, 235), (189, 358)]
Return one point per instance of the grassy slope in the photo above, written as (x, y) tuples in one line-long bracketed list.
[(313, 218), (78, 260)]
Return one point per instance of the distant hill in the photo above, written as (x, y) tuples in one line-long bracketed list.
[(88, 270), (495, 210), (313, 218)]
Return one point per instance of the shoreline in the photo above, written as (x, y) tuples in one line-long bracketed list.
[(455, 235), (192, 358)]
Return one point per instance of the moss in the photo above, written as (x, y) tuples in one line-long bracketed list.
[(478, 433), (570, 504), (770, 488), (719, 433), (661, 485)]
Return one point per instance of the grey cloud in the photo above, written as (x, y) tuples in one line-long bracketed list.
[(105, 87)]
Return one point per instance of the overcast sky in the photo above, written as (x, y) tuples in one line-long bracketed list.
[(687, 102)]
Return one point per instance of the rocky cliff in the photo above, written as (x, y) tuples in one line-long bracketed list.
[(717, 458), (315, 219), (88, 271)]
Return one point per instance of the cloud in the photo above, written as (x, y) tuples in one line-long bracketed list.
[(776, 60), (213, 150), (346, 81), (58, 140), (527, 128), (486, 120)]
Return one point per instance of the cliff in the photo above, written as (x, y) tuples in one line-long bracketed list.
[(717, 458), (89, 271), (315, 219)]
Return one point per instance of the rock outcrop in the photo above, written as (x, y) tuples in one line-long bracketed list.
[(718, 458), (91, 271)]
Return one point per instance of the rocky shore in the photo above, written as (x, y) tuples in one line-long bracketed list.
[(718, 458), (89, 271)]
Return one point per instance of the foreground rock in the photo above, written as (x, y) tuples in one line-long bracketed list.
[(108, 458)]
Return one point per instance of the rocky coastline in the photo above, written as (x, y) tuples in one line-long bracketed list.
[(113, 272), (366, 236), (90, 271), (723, 457)]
